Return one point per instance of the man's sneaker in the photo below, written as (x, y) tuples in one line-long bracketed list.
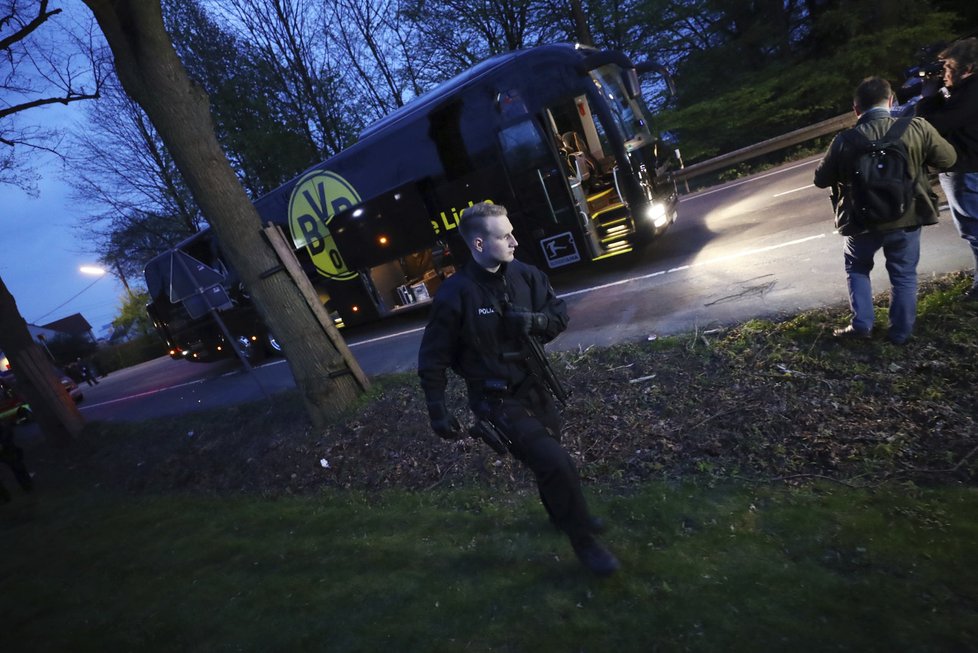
[(899, 342), (595, 557), (970, 295), (852, 333)]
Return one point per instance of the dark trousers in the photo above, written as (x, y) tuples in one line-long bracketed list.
[(532, 424)]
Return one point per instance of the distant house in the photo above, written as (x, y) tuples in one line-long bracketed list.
[(42, 333), (73, 325)]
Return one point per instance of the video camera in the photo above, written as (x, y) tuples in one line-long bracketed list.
[(928, 67)]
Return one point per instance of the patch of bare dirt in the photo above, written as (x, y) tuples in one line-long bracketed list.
[(761, 401)]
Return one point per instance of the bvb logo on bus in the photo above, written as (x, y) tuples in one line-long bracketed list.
[(316, 198)]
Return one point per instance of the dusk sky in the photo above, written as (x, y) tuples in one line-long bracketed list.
[(42, 249)]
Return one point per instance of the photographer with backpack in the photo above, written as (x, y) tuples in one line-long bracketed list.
[(953, 111), (881, 198)]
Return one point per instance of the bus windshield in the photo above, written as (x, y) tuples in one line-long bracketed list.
[(627, 112)]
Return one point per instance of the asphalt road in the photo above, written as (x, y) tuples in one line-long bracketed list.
[(762, 247)]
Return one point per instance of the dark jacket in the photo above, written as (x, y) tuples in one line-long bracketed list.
[(924, 147), (466, 332), (956, 119)]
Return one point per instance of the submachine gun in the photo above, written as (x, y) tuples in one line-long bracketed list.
[(533, 354), (486, 431), (541, 368)]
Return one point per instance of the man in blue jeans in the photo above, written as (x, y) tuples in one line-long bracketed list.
[(953, 110), (900, 238)]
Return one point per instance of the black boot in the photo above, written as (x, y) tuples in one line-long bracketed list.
[(595, 557)]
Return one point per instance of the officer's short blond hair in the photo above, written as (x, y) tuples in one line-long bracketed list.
[(474, 221)]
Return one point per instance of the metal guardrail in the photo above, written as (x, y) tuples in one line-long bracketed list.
[(829, 126)]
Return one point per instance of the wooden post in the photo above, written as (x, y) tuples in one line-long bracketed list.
[(291, 265)]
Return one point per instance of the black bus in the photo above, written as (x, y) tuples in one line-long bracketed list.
[(558, 134)]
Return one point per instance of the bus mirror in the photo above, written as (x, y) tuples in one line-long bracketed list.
[(650, 66), (629, 79)]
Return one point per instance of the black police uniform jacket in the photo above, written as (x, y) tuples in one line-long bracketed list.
[(467, 333)]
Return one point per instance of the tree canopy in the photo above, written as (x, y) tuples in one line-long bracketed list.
[(292, 82), (43, 63), (768, 68)]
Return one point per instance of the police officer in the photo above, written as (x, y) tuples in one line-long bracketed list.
[(478, 324)]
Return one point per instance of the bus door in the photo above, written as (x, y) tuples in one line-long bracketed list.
[(547, 210), (585, 145)]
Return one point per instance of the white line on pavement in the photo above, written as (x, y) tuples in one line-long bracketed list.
[(140, 394), (712, 261), (794, 190)]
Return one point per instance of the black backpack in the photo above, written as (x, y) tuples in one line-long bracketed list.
[(881, 183)]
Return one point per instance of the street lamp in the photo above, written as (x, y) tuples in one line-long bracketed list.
[(91, 269), (100, 272)]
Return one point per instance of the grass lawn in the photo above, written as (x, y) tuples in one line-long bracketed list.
[(768, 489), (722, 568)]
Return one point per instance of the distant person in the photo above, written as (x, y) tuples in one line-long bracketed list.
[(953, 111), (13, 456), (86, 372), (480, 320), (899, 238), (73, 370)]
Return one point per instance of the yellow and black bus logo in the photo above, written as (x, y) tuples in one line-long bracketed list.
[(316, 198)]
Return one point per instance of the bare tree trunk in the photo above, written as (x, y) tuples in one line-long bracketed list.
[(151, 73), (54, 411), (581, 29)]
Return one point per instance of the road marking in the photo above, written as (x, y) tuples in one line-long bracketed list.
[(712, 261), (794, 190), (748, 180), (148, 393), (759, 250), (387, 337)]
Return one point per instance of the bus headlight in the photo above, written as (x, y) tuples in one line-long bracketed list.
[(656, 212)]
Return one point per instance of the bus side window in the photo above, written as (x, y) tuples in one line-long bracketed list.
[(446, 132), (523, 149)]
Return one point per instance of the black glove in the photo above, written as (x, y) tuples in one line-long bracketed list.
[(526, 322), (443, 423)]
